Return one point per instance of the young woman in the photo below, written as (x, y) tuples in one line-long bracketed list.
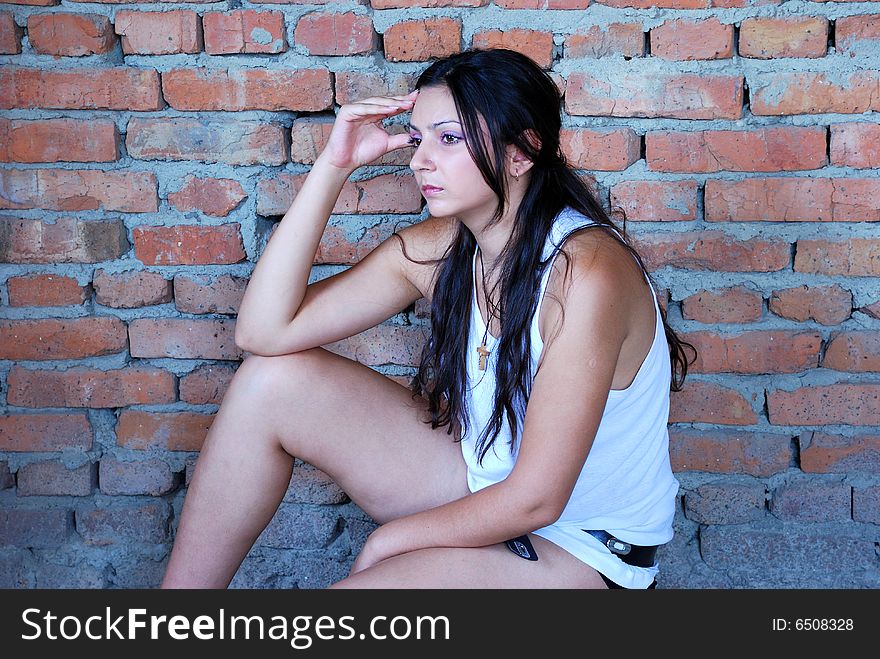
[(533, 450)]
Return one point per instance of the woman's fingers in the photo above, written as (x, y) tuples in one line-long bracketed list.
[(398, 141)]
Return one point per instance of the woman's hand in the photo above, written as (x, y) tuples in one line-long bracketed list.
[(358, 137)]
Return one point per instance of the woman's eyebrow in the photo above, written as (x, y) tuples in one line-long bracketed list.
[(439, 123)]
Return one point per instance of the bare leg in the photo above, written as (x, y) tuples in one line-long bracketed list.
[(360, 427), (494, 566)]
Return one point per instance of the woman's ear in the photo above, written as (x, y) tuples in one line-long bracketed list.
[(518, 163)]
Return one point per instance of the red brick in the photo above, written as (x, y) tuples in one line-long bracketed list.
[(541, 4), (309, 137), (303, 90), (855, 257), (229, 142), (142, 523), (828, 305), (849, 403), (722, 502), (677, 96), (40, 529), (131, 289), (110, 88), (244, 31), (385, 344), (212, 196), (625, 39), (10, 35), (812, 501), (535, 44), (855, 145), (322, 33), (87, 387), (79, 190), (59, 140), (422, 40), (394, 4), (188, 244), (854, 351), (737, 304), (822, 453), (219, 294), (856, 200), (354, 86), (387, 193), (338, 246), (311, 485), (45, 432), (168, 431), (656, 201), (183, 338), (45, 291), (68, 240), (872, 310), (785, 148), (650, 4), (70, 35), (152, 477), (34, 3), (712, 250), (866, 504), (206, 384), (856, 35), (729, 452), (692, 40), (793, 200), (707, 402), (759, 351), (600, 150), (61, 338), (731, 4), (854, 92), (767, 38), (159, 32), (53, 478)]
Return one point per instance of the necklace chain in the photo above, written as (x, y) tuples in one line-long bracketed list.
[(482, 350)]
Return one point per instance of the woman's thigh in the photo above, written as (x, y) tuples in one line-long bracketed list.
[(361, 428), (489, 567)]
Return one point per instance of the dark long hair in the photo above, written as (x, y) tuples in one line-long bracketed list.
[(512, 95)]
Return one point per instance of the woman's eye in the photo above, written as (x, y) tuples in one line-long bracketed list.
[(452, 139)]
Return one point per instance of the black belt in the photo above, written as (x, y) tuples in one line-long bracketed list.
[(637, 555)]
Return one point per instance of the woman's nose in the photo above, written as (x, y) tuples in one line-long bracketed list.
[(421, 159)]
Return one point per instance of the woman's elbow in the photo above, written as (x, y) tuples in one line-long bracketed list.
[(542, 511)]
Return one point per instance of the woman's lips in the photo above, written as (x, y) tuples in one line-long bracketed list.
[(430, 189)]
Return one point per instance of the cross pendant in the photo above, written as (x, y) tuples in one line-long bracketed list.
[(484, 354)]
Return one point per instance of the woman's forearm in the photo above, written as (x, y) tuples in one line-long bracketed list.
[(278, 283)]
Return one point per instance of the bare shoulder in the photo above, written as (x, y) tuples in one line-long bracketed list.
[(426, 241), (595, 253), (597, 261)]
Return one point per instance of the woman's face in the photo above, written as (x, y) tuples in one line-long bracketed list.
[(441, 159)]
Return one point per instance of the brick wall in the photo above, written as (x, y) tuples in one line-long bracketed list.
[(147, 150)]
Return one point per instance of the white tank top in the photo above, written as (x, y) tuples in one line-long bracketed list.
[(626, 486)]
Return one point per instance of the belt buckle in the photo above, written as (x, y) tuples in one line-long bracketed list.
[(618, 546)]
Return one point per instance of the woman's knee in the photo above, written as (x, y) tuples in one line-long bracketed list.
[(269, 377)]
